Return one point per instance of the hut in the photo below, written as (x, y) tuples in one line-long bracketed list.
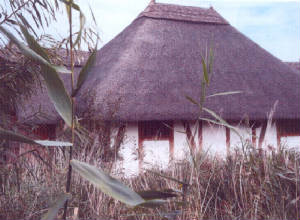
[(142, 77), (24, 104)]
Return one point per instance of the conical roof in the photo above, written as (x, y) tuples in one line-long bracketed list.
[(146, 71), (149, 68)]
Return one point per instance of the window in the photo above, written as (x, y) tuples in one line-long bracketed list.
[(288, 128), (155, 130), (45, 131)]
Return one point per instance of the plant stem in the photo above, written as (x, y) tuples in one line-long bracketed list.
[(68, 184)]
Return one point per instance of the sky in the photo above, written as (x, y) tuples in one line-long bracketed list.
[(273, 24)]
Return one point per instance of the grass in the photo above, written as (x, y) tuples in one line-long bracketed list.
[(251, 184)]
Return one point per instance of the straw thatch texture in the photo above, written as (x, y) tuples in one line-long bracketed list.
[(294, 65), (180, 13), (151, 65), (147, 70)]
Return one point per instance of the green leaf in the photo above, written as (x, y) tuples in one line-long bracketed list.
[(11, 136), (58, 94), (82, 23), (30, 52), (224, 93), (68, 9), (26, 23), (69, 4), (85, 71), (107, 184), (53, 211), (212, 113), (24, 49), (61, 69), (191, 100), (33, 45), (205, 73)]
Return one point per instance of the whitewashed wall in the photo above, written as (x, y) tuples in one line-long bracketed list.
[(214, 140), (129, 165), (156, 153), (291, 142)]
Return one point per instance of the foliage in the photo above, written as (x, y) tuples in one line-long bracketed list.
[(251, 184), (13, 83), (62, 101)]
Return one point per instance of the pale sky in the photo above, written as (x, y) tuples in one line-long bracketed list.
[(273, 24)]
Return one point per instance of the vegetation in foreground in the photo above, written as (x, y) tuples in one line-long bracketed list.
[(250, 184)]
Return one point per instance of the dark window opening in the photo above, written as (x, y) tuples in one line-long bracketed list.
[(45, 131), (288, 128), (155, 130)]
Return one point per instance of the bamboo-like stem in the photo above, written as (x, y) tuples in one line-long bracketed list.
[(68, 184)]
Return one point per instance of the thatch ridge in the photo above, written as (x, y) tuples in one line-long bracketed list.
[(183, 13)]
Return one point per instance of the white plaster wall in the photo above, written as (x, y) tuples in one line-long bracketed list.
[(237, 140), (181, 147), (156, 153), (214, 139), (129, 165), (292, 143), (180, 143)]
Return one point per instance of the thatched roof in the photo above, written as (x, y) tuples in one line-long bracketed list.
[(146, 71), (294, 65), (154, 62), (16, 78)]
